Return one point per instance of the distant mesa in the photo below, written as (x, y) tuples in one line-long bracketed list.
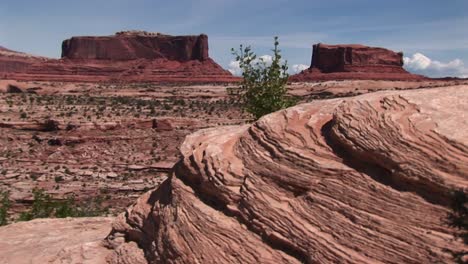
[(353, 61), (131, 45), (127, 56), (140, 56)]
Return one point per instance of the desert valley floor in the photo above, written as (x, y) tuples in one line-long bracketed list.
[(117, 141), (182, 169)]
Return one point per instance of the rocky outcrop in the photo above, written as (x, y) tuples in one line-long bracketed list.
[(357, 180), (137, 45), (354, 62), (124, 57), (12, 62), (47, 125), (13, 89), (333, 58)]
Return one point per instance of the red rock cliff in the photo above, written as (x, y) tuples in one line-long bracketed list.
[(130, 56), (336, 58), (137, 45), (354, 61)]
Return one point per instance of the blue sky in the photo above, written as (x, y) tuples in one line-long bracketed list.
[(433, 34)]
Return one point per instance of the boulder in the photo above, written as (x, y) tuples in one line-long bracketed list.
[(163, 124), (13, 89)]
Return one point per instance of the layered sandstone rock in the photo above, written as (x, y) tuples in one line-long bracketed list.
[(358, 180), (124, 57), (137, 45), (354, 62), (12, 62)]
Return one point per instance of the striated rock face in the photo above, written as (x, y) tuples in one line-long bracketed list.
[(354, 62), (15, 62), (357, 180), (124, 57), (137, 45)]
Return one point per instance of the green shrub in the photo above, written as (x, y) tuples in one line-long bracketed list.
[(58, 179), (44, 207), (458, 218), (4, 207), (263, 88)]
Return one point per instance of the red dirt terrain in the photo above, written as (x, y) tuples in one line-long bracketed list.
[(117, 141), (351, 62), (133, 56), (107, 140)]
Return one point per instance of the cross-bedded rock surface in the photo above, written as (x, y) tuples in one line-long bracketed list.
[(335, 62), (356, 180), (123, 57)]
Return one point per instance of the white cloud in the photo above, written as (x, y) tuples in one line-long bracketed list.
[(421, 64), (297, 68), (235, 69), (267, 59)]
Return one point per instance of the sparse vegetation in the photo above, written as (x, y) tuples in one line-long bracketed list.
[(58, 179), (4, 207), (61, 151), (44, 206), (458, 218), (263, 88)]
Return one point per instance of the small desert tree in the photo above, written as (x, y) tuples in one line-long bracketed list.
[(458, 218), (263, 88), (4, 207)]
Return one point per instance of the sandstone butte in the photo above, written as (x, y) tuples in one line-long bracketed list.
[(363, 179), (340, 62), (128, 56), (140, 56)]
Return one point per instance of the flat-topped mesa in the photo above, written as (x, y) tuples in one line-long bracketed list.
[(353, 61), (131, 45), (127, 56), (353, 57)]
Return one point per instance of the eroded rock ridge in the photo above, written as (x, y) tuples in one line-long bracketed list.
[(357, 180)]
